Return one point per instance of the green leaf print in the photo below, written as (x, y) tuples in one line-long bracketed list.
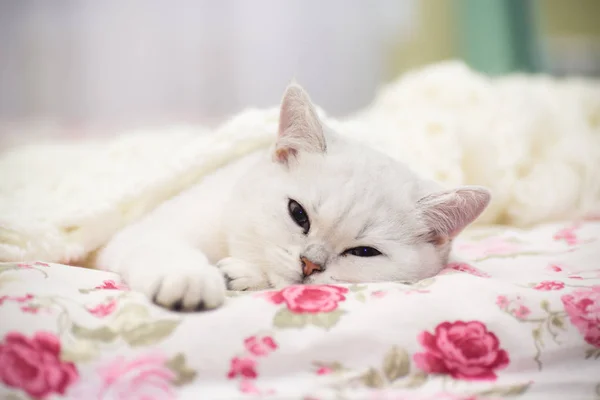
[(595, 353), (373, 379), (102, 334), (416, 380), (183, 373), (79, 351), (326, 320), (360, 297), (558, 322), (148, 333), (423, 283), (506, 391), (284, 318), (396, 364)]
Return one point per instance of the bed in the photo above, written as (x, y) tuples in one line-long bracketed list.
[(517, 317), (516, 314)]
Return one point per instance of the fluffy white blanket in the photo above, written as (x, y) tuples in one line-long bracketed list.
[(534, 141)]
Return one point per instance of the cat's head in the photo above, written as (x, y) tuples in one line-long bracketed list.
[(321, 209)]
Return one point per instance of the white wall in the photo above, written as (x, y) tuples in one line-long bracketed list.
[(146, 61)]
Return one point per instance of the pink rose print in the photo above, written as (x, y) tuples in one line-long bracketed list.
[(463, 350), (324, 371), (41, 264), (555, 268), (18, 299), (452, 396), (112, 285), (567, 235), (502, 302), (416, 291), (521, 311), (103, 309), (583, 308), (29, 265), (550, 285), (248, 387), (260, 346), (243, 366), (486, 247), (145, 377), (34, 365), (463, 267), (310, 298), (30, 309), (379, 294)]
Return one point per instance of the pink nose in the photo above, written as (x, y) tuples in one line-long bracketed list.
[(308, 267)]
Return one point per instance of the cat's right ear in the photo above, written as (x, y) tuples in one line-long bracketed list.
[(299, 126), (448, 212)]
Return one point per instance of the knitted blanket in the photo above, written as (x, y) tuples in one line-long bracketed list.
[(533, 140)]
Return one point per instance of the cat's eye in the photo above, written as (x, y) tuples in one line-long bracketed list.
[(299, 215), (362, 252)]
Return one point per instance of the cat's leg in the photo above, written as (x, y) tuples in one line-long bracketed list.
[(241, 275), (169, 254), (165, 268)]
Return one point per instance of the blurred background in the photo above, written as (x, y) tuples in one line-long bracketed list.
[(90, 67)]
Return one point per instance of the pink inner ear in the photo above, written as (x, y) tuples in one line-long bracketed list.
[(447, 213), (299, 126), (282, 155)]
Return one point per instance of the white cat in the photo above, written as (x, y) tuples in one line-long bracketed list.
[(314, 209)]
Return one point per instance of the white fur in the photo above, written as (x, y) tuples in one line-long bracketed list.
[(534, 141), (238, 219)]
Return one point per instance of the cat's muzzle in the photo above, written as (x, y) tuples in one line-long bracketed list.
[(309, 267)]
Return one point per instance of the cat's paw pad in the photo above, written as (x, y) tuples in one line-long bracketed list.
[(239, 275)]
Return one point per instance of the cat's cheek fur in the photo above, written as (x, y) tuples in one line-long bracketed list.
[(259, 229), (406, 264)]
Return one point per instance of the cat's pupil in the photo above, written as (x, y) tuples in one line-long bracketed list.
[(363, 252), (299, 215)]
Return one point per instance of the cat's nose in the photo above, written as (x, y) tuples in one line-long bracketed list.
[(308, 267)]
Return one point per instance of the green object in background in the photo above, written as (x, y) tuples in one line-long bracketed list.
[(499, 36)]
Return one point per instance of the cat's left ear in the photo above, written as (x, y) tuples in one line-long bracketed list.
[(448, 212), (299, 126)]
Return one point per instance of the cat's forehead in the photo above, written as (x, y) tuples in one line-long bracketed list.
[(358, 176), (356, 193)]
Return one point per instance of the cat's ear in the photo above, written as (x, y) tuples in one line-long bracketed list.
[(448, 212), (299, 126)]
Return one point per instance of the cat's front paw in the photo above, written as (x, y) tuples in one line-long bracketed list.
[(181, 282), (240, 275)]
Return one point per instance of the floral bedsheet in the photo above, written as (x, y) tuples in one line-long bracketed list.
[(517, 317)]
